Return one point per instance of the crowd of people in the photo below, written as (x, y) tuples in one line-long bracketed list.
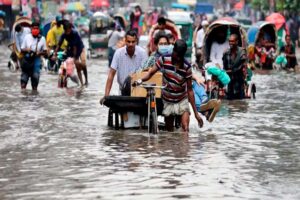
[(166, 53)]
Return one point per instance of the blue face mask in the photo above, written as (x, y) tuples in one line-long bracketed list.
[(165, 49)]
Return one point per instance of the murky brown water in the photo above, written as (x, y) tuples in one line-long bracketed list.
[(56, 145)]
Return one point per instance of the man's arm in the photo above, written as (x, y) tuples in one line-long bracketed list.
[(192, 101), (150, 73), (61, 40)]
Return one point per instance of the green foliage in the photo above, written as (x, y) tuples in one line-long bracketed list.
[(281, 5)]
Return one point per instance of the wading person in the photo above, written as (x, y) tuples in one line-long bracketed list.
[(75, 49), (177, 76), (126, 61), (234, 61), (33, 47)]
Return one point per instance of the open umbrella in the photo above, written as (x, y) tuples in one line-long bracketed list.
[(99, 3), (239, 5), (5, 2), (277, 19)]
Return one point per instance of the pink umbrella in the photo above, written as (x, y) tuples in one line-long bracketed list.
[(99, 3), (239, 5), (277, 19)]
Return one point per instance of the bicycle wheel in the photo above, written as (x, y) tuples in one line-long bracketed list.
[(154, 124), (12, 66)]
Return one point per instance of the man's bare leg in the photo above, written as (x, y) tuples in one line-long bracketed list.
[(185, 121), (169, 123)]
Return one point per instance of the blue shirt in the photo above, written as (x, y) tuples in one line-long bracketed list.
[(74, 40)]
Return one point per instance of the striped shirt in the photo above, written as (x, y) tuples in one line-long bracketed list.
[(174, 79), (126, 65)]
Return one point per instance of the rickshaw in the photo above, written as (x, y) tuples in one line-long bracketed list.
[(100, 26), (262, 55), (216, 90), (14, 61)]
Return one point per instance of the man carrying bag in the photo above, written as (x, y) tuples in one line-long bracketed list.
[(33, 47)]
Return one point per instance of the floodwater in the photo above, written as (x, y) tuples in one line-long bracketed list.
[(56, 145)]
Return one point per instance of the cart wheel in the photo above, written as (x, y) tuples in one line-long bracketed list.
[(12, 66)]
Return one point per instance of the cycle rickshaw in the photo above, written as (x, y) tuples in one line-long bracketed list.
[(16, 55), (231, 26)]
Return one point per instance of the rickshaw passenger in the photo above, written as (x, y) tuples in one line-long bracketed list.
[(218, 47), (126, 61), (75, 49), (234, 62)]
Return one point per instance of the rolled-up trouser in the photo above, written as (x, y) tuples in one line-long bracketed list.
[(34, 75), (176, 108)]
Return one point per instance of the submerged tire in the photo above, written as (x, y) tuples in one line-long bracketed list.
[(154, 124)]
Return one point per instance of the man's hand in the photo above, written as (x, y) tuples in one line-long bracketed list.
[(102, 100), (199, 119), (137, 82)]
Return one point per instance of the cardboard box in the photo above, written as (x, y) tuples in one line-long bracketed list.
[(140, 91)]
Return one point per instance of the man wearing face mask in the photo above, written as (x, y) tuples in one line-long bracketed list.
[(33, 47), (177, 76)]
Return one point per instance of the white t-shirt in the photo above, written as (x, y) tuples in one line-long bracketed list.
[(31, 42), (200, 38), (19, 37), (216, 52)]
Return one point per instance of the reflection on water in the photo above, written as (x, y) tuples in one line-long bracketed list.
[(55, 145)]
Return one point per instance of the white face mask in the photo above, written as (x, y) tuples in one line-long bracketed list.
[(165, 49)]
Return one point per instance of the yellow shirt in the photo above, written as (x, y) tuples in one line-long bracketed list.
[(53, 37)]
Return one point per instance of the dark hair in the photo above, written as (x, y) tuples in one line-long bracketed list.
[(35, 24), (180, 47), (170, 36), (18, 28), (235, 36), (67, 25), (160, 35), (161, 21), (131, 33), (138, 7)]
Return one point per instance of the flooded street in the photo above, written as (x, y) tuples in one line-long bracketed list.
[(56, 145)]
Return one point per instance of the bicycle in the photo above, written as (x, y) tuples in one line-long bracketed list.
[(151, 102)]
